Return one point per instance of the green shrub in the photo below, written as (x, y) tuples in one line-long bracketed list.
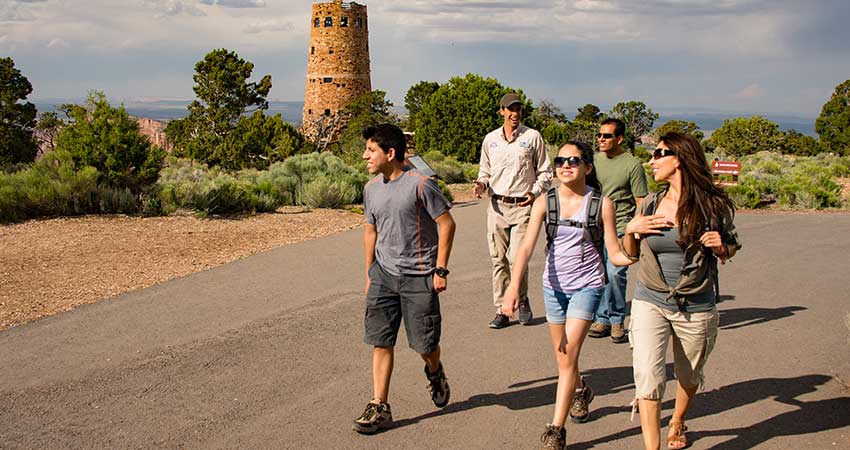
[(640, 152), (744, 196), (797, 182), (108, 139), (444, 188), (324, 192), (52, 186), (448, 168), (185, 185), (306, 168)]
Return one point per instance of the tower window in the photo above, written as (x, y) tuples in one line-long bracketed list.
[(327, 112), (358, 22), (328, 80), (316, 22), (329, 21), (343, 21), (312, 50), (309, 111), (330, 52)]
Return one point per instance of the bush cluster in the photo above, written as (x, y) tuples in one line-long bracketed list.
[(795, 182), (53, 186), (450, 169), (316, 180)]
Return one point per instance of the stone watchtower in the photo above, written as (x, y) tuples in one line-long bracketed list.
[(337, 62)]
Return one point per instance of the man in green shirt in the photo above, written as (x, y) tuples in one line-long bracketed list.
[(624, 182)]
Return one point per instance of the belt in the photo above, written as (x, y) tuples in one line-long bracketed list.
[(509, 200)]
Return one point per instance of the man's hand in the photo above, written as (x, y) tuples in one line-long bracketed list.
[(478, 188), (529, 199), (439, 283)]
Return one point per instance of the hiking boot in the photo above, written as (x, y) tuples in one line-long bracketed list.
[(554, 438), (580, 409), (439, 386), (375, 417), (618, 333), (500, 321), (598, 330), (525, 314)]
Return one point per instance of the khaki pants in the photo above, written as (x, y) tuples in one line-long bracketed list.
[(651, 328), (506, 225)]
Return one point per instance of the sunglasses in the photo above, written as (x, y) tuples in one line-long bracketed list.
[(572, 161), (662, 152), (605, 135)]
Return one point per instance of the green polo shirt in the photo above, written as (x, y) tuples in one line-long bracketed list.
[(622, 179)]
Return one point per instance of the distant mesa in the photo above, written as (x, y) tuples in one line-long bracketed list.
[(155, 132)]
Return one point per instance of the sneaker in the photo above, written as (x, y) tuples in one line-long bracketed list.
[(618, 333), (598, 330), (525, 314), (580, 409), (375, 417), (554, 438), (500, 321), (439, 386)]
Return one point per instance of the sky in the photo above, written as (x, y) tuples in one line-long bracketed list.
[(748, 56)]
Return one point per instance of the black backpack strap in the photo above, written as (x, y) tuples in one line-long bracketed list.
[(594, 227), (553, 215)]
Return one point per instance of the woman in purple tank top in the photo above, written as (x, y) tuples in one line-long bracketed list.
[(573, 281)]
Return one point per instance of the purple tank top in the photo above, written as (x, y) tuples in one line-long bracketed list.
[(572, 262)]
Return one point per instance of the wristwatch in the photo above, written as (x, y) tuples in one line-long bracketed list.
[(441, 272)]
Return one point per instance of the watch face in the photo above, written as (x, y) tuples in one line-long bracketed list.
[(441, 271)]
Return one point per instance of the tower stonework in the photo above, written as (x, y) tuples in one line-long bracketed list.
[(337, 62)]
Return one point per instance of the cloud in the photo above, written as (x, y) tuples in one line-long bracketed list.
[(263, 26), (751, 92), (236, 3), (168, 8), (13, 12), (57, 43)]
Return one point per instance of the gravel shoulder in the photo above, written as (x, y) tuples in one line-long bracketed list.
[(52, 265)]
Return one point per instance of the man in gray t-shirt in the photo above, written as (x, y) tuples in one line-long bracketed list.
[(407, 238)]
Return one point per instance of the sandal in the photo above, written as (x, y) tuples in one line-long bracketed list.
[(676, 436)]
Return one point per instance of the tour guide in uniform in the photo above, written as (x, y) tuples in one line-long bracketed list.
[(514, 169)]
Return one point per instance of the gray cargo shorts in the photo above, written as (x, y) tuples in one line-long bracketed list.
[(390, 299)]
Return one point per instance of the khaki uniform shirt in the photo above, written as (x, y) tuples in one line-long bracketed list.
[(516, 167)]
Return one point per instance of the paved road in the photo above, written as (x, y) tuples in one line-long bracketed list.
[(266, 353)]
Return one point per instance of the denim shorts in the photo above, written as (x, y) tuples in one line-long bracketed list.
[(581, 304)]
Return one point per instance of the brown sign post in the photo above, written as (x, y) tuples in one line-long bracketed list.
[(729, 168)]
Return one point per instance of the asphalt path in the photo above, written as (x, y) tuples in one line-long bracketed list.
[(266, 353)]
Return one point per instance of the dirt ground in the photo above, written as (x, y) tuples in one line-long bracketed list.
[(54, 265)]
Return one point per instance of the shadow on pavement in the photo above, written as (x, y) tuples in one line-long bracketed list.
[(603, 381), (731, 319), (811, 417), (725, 298)]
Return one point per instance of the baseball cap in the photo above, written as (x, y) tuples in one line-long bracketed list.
[(509, 99)]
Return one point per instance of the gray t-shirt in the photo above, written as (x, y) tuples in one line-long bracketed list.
[(403, 210), (671, 258)]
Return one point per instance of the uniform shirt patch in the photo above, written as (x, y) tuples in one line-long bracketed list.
[(524, 144)]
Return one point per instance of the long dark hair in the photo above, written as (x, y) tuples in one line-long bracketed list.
[(701, 203), (587, 156)]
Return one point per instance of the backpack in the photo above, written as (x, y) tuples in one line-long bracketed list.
[(593, 224)]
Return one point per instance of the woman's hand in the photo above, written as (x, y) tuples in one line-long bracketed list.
[(648, 224), (711, 239), (509, 303)]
